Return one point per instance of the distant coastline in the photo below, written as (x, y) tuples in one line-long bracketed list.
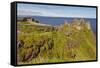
[(58, 20)]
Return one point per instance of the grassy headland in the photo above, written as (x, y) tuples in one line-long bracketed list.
[(41, 43)]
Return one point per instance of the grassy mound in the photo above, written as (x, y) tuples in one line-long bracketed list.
[(42, 46)]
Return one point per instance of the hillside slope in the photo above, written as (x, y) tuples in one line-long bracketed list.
[(66, 44)]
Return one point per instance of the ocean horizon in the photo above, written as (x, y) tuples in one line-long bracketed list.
[(60, 20)]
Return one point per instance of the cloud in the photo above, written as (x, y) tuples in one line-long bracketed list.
[(56, 11), (29, 12)]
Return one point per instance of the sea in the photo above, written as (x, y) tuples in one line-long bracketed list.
[(60, 20)]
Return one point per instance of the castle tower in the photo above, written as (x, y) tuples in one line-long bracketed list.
[(88, 25)]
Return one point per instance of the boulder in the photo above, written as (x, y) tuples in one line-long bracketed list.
[(20, 43)]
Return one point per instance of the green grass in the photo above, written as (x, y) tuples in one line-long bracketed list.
[(85, 50)]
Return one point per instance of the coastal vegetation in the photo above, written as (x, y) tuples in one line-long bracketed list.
[(45, 43)]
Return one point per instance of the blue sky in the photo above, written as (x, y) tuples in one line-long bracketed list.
[(55, 11)]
